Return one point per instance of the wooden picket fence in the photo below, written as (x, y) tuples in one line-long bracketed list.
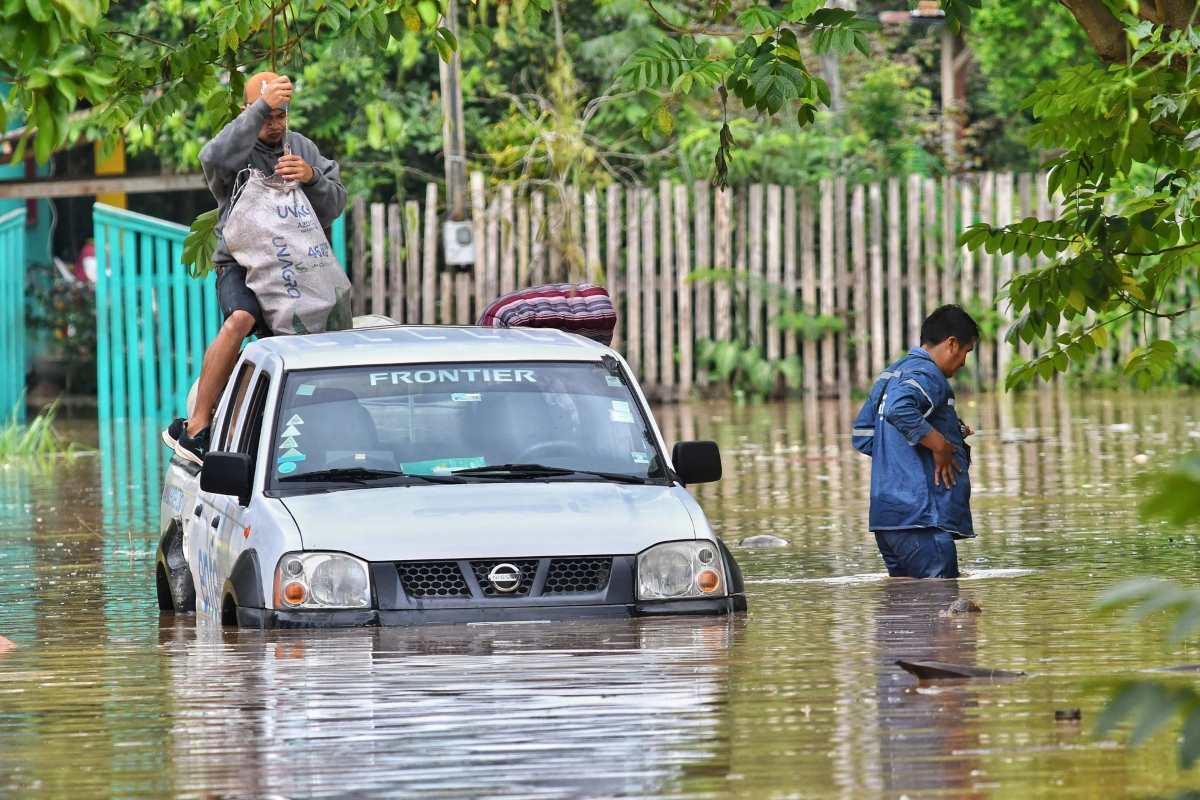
[(879, 256)]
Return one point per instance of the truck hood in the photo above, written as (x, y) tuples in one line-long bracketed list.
[(492, 520)]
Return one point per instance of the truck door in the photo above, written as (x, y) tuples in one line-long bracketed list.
[(240, 520), (211, 539)]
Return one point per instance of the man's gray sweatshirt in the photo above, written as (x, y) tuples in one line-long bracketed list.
[(237, 146)]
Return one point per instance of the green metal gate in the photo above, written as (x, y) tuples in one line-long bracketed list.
[(12, 315), (153, 321)]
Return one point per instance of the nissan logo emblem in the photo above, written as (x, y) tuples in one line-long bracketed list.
[(505, 577)]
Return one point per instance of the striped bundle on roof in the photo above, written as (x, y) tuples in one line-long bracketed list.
[(582, 308)]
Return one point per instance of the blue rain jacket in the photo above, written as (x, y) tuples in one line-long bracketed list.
[(908, 398)]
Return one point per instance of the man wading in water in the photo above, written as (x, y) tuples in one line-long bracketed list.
[(254, 139), (920, 492)]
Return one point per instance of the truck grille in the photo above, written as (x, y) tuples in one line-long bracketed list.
[(569, 575), (432, 579), (445, 579), (528, 570)]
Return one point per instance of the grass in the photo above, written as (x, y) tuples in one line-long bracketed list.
[(34, 441)]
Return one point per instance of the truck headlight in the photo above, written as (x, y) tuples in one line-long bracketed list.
[(681, 569), (322, 580)]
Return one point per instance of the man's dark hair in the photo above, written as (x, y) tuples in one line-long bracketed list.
[(949, 321)]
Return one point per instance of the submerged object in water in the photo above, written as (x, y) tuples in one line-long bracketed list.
[(6, 644), (963, 605), (940, 670), (1067, 715), (763, 540)]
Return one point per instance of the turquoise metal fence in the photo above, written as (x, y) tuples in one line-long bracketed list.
[(12, 315), (153, 321)]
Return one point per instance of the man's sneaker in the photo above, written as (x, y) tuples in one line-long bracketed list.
[(190, 448), (176, 429)]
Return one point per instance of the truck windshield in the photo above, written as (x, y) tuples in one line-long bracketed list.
[(438, 419)]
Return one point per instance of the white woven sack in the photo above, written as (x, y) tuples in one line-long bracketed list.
[(273, 232)]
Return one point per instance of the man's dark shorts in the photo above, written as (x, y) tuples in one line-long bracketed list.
[(234, 295), (918, 553)]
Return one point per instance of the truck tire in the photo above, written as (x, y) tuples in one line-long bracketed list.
[(173, 576)]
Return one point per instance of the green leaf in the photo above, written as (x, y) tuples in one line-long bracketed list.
[(663, 120), (200, 243), (1155, 709), (1176, 495), (428, 12), (1127, 698), (449, 38)]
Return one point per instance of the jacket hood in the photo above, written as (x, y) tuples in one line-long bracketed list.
[(492, 520)]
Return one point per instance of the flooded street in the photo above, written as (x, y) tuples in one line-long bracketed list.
[(800, 697)]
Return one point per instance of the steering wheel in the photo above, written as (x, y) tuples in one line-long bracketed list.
[(535, 452)]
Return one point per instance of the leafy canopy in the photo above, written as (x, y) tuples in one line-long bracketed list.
[(106, 75)]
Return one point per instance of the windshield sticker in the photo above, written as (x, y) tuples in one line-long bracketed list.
[(291, 430), (466, 397), (620, 412), (296, 420), (442, 466), (305, 389), (640, 458), (287, 467), (454, 376), (288, 442), (292, 455), (613, 380)]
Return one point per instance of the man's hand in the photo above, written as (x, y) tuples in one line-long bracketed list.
[(278, 92), (965, 429), (945, 471), (294, 168)]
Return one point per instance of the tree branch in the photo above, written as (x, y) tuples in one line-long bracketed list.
[(1103, 29)]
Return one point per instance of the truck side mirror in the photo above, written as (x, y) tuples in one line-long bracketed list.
[(227, 473), (697, 462)]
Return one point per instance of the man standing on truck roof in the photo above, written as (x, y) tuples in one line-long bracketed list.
[(258, 138)]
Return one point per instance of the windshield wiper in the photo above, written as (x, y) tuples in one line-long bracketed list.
[(524, 471), (363, 476), (349, 474)]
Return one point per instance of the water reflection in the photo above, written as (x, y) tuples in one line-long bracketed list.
[(801, 697), (918, 729), (529, 710)]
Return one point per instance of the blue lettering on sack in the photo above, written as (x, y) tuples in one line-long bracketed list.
[(298, 211), (286, 265), (321, 251)]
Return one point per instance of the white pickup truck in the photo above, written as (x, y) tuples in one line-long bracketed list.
[(407, 475)]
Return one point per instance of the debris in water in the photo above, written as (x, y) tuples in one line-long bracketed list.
[(963, 605), (6, 645), (940, 670), (763, 540), (1141, 458), (1067, 715)]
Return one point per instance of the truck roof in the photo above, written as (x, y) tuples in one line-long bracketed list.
[(421, 344)]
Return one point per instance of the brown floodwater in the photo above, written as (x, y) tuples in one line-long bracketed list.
[(800, 697)]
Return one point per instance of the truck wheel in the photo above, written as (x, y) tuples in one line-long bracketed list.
[(163, 587)]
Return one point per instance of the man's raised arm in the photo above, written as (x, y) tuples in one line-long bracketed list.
[(229, 151)]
